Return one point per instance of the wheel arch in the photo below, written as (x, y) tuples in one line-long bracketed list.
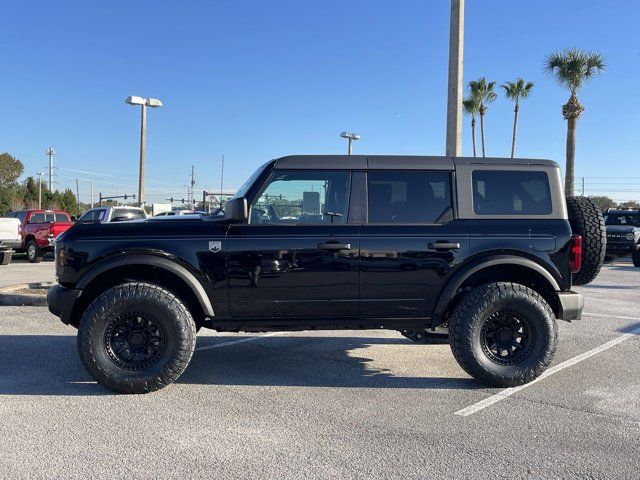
[(499, 268), (143, 268)]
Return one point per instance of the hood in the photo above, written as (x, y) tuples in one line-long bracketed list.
[(148, 229), (621, 229)]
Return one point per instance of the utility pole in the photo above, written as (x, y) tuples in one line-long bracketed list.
[(78, 194), (193, 184), (222, 175), (50, 153), (40, 190), (582, 190), (91, 193), (454, 91)]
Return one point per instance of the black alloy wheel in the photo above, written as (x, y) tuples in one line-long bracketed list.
[(507, 337)]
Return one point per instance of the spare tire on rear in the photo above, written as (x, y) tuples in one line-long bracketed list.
[(586, 220)]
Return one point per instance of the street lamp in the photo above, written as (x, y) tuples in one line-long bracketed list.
[(144, 103), (351, 137)]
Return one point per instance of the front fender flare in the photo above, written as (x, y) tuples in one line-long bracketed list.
[(151, 260)]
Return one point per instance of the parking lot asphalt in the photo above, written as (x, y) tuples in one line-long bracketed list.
[(20, 271), (346, 404)]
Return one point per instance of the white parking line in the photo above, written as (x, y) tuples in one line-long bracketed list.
[(482, 404), (235, 342)]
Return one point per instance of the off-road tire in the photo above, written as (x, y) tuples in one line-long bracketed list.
[(158, 307), (635, 257), (34, 254), (5, 258), (586, 220), (467, 327)]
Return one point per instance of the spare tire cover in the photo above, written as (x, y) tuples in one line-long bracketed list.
[(586, 220)]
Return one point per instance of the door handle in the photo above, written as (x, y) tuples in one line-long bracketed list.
[(334, 246), (444, 246)]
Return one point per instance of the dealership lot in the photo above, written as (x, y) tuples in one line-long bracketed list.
[(365, 404)]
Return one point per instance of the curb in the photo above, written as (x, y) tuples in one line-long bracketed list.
[(9, 299)]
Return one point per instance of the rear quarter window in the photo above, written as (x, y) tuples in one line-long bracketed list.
[(500, 192)]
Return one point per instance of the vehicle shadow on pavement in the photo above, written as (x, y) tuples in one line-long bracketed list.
[(313, 362), (43, 365), (49, 365), (610, 287)]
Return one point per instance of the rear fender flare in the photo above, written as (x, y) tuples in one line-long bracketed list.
[(459, 277)]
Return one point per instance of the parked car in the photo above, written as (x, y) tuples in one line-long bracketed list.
[(179, 213), (10, 239), (113, 214), (486, 251), (623, 233), (38, 229)]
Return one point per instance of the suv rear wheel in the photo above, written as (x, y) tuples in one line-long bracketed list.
[(5, 258), (34, 254), (136, 338), (503, 334)]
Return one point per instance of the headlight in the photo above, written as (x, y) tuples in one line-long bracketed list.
[(630, 236)]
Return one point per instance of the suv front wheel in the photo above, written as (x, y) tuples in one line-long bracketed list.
[(503, 334), (136, 338)]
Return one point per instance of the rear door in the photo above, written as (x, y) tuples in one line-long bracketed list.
[(411, 241), (298, 253)]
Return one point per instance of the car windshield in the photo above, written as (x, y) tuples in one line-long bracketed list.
[(242, 191), (127, 214), (632, 219)]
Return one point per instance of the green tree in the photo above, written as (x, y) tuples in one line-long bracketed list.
[(10, 169), (603, 202), (516, 91), (471, 107), (69, 202), (630, 204), (482, 92), (573, 68)]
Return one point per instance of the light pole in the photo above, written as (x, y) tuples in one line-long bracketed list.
[(351, 137), (40, 190), (454, 91), (144, 103)]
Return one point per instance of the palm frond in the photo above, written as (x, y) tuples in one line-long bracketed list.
[(572, 68)]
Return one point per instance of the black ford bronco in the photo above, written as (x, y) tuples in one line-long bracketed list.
[(484, 250), (623, 233)]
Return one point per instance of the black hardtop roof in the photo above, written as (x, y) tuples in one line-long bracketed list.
[(394, 162)]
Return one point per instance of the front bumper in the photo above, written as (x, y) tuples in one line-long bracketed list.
[(61, 301), (622, 248), (571, 305)]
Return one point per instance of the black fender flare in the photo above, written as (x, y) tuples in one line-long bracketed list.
[(151, 260), (481, 263)]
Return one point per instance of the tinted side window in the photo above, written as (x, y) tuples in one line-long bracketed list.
[(303, 197), (408, 197), (62, 217), (37, 218), (511, 193)]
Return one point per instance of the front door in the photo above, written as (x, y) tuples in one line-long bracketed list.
[(297, 255), (410, 243)]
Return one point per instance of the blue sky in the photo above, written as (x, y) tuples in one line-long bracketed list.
[(254, 80)]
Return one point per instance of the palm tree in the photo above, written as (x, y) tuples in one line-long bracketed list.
[(573, 68), (515, 91), (483, 92), (471, 106)]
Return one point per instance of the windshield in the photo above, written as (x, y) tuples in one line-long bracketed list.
[(632, 219), (122, 214), (242, 191)]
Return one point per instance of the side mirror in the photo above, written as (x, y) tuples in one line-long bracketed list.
[(236, 210)]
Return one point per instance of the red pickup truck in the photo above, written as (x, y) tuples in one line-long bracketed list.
[(38, 229)]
